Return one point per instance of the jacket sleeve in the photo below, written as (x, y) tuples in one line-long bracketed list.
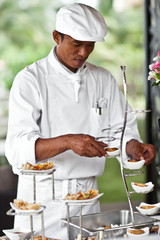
[(24, 114)]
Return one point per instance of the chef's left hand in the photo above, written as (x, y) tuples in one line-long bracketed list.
[(140, 151)]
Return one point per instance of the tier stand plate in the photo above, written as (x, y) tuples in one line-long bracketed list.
[(12, 212)]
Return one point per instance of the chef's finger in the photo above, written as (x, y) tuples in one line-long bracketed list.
[(137, 156), (92, 152), (99, 148), (103, 144)]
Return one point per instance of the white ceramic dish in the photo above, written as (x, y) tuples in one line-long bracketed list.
[(17, 233), (134, 165), (84, 201), (113, 153), (13, 206), (50, 170), (146, 189), (150, 211), (131, 235)]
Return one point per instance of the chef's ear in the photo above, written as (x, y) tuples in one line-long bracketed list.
[(57, 37)]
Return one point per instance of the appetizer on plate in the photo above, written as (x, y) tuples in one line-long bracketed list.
[(82, 195), (112, 151), (148, 209), (17, 233), (133, 232), (20, 204), (133, 164), (142, 187), (44, 166)]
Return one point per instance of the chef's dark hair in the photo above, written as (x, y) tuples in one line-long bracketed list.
[(62, 35)]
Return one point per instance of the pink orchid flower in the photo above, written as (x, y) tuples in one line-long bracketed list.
[(155, 66)]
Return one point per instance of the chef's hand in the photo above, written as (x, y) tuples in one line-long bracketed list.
[(86, 145), (140, 151)]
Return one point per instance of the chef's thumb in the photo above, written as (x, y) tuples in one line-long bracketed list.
[(141, 158)]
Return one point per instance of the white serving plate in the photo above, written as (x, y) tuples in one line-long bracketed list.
[(150, 211), (134, 165), (14, 207), (113, 153), (27, 171), (131, 235), (17, 233), (139, 189), (85, 200)]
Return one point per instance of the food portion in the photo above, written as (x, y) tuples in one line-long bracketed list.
[(20, 204), (130, 160), (107, 227), (111, 149), (133, 164), (39, 237), (82, 195), (44, 166), (136, 231), (140, 184), (142, 187), (147, 207)]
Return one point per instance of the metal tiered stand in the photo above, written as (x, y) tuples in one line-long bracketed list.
[(115, 136), (35, 173)]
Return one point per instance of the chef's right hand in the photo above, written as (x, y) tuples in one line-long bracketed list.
[(86, 145)]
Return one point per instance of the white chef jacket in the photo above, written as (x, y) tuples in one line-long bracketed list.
[(48, 100), (43, 105)]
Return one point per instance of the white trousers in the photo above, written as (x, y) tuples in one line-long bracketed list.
[(55, 210)]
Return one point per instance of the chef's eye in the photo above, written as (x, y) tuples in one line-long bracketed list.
[(76, 44), (91, 45)]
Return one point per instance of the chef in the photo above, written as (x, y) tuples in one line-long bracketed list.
[(58, 108)]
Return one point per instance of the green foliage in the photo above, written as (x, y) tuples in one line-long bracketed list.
[(26, 35), (124, 45)]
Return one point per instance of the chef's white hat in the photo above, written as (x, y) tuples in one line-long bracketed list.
[(81, 22)]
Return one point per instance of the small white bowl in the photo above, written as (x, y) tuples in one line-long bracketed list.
[(132, 235), (148, 211), (134, 165), (113, 152), (17, 233), (139, 189)]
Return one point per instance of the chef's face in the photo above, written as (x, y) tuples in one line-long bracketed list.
[(70, 52)]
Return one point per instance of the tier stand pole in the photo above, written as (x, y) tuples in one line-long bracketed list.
[(34, 188), (68, 220), (31, 223), (53, 185), (42, 221), (123, 68)]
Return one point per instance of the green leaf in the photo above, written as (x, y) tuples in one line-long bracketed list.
[(158, 75), (158, 69), (154, 84)]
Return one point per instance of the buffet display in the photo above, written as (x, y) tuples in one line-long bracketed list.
[(101, 226)]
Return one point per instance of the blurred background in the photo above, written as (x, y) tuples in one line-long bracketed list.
[(26, 36)]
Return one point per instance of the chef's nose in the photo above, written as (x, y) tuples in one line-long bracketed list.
[(84, 52)]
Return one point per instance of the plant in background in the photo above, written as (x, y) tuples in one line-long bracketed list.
[(154, 73)]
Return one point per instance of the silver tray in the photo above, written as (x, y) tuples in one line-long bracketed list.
[(92, 224)]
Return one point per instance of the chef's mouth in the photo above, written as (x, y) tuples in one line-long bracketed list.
[(80, 61)]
